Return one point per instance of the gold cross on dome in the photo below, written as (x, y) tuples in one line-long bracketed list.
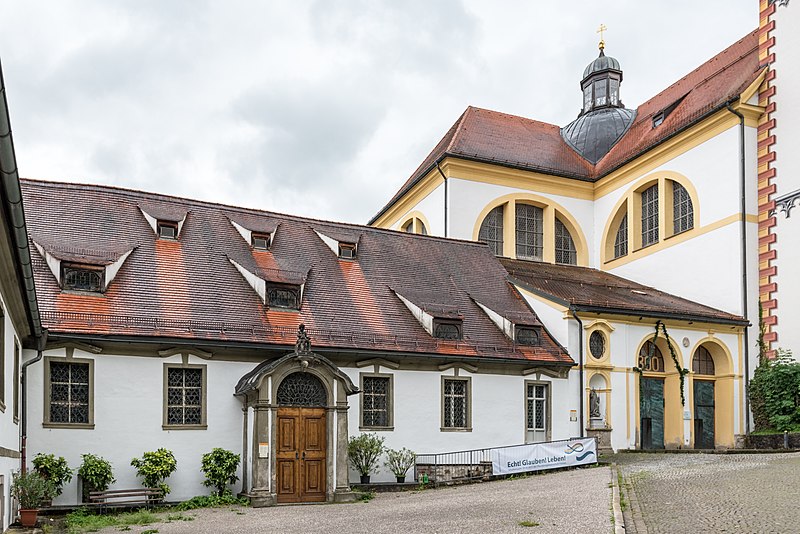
[(600, 30)]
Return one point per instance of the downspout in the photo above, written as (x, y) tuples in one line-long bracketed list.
[(438, 168), (743, 231), (580, 367), (24, 405)]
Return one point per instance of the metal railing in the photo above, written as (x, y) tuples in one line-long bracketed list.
[(461, 466)]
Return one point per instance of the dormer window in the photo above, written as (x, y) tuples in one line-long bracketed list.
[(527, 335), (167, 230), (77, 277), (283, 296), (347, 251), (447, 329), (260, 241)]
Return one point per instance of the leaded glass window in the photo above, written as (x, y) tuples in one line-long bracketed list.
[(650, 215), (375, 401), (536, 412), (184, 396), (621, 240), (703, 362), (565, 246), (529, 231), (302, 389), (527, 336), (80, 278), (69, 392), (447, 330), (284, 297), (682, 209), (650, 358), (456, 403), (597, 344), (491, 231)]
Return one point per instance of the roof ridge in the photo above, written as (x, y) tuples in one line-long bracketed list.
[(148, 195), (456, 131)]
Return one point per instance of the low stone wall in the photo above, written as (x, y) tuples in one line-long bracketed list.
[(454, 473), (772, 441)]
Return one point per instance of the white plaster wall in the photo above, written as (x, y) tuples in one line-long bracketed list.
[(128, 420), (432, 207), (9, 430), (498, 413), (787, 180)]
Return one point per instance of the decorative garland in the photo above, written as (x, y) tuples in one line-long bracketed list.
[(681, 371)]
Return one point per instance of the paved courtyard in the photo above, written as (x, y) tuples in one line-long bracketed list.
[(577, 501), (742, 493)]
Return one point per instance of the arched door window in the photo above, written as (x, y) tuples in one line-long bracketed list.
[(301, 389), (703, 362), (650, 358)]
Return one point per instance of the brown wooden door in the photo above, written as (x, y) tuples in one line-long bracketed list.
[(300, 454)]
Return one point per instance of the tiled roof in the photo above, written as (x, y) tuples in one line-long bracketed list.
[(512, 141), (593, 290), (188, 288)]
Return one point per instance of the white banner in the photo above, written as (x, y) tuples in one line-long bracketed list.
[(539, 456)]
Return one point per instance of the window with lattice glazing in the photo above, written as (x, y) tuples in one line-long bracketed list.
[(184, 396), (682, 209), (81, 278), (287, 297), (703, 362), (455, 403), (621, 239), (491, 231), (375, 401), (565, 246), (597, 345), (650, 215), (650, 358), (450, 330), (536, 412), (529, 232), (69, 392)]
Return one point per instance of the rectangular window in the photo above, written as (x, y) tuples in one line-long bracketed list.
[(82, 277), (376, 401), (69, 392), (167, 230), (347, 251), (16, 381), (449, 329), (650, 215), (260, 241), (537, 412), (456, 404), (185, 396), (529, 232), (283, 296)]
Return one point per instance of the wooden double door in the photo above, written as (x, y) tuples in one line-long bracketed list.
[(300, 454)]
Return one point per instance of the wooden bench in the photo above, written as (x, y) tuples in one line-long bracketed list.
[(126, 498)]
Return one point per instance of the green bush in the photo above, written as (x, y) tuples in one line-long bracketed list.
[(56, 470), (364, 451), (399, 462), (775, 394), (31, 489), (155, 467), (209, 501), (219, 466), (96, 474)]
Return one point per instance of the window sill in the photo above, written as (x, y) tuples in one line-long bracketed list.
[(376, 428), (455, 429), (75, 426), (184, 427), (676, 234)]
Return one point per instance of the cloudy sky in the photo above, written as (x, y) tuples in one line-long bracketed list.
[(319, 108)]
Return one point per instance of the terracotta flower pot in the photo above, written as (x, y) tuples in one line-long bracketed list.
[(28, 517)]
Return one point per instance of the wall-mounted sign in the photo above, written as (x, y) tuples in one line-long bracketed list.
[(263, 450), (573, 415)]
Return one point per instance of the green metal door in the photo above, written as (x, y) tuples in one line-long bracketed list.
[(651, 412), (703, 414)]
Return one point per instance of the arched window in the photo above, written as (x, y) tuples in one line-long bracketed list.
[(650, 358), (409, 227), (491, 231), (650, 215), (621, 239), (565, 246), (529, 231), (682, 209), (414, 226), (301, 389), (703, 362)]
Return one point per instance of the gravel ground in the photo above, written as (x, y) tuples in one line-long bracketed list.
[(576, 501)]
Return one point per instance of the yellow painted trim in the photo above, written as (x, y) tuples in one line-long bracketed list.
[(474, 171), (637, 320), (741, 383), (628, 407), (416, 217), (606, 390), (551, 209), (410, 200), (723, 389)]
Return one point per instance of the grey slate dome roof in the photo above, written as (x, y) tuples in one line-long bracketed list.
[(603, 62), (592, 135)]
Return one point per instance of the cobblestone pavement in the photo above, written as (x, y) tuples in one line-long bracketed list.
[(576, 501), (742, 493)]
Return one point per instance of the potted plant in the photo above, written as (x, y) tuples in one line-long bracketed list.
[(56, 470), (31, 490), (399, 462), (363, 452), (96, 474)]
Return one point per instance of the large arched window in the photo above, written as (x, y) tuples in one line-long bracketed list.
[(492, 230), (621, 239), (565, 246), (529, 232), (650, 215), (414, 224), (682, 209)]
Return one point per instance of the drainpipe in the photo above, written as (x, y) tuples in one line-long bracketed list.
[(743, 231), (445, 196), (24, 406), (580, 367)]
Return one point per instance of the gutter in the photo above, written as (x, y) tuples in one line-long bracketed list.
[(743, 250), (580, 368)]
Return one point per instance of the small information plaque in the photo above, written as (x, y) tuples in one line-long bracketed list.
[(263, 450)]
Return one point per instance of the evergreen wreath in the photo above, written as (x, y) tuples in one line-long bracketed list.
[(681, 371)]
